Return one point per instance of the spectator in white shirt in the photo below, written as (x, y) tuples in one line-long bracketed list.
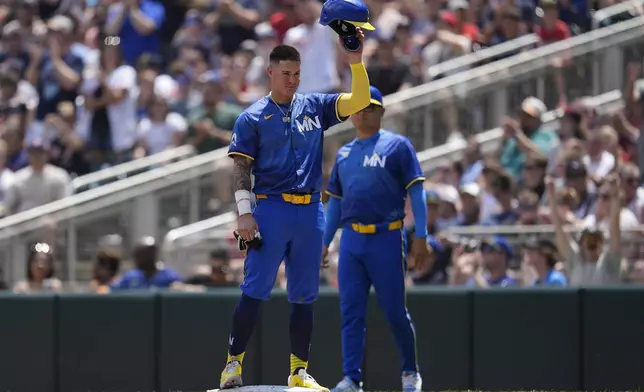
[(39, 183), (107, 119), (600, 218), (317, 45), (160, 129), (598, 160)]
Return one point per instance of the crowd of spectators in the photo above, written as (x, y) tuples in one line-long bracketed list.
[(582, 179), (86, 84)]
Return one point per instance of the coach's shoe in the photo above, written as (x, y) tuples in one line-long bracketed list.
[(412, 382), (304, 380), (347, 385), (231, 376)]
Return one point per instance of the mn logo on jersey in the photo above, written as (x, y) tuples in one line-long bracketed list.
[(374, 160), (309, 124)]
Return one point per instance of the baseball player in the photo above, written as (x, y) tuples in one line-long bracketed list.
[(279, 139), (368, 186)]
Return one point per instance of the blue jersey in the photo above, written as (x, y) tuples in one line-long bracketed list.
[(372, 176), (287, 155), (136, 279), (553, 278)]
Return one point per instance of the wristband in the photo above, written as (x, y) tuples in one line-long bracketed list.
[(243, 202)]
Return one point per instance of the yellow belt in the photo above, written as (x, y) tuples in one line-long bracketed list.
[(290, 198), (372, 229)]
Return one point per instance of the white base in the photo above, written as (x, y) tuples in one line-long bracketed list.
[(264, 388)]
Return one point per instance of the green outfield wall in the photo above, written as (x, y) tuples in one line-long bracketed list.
[(510, 339)]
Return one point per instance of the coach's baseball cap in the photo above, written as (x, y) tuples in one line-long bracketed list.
[(376, 96)]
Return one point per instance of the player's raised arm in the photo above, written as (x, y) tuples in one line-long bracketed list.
[(359, 98)]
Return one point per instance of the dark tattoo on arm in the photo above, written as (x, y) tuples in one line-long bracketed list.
[(241, 173)]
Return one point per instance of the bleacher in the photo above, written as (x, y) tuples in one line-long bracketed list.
[(166, 195)]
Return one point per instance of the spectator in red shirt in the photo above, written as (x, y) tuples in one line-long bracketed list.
[(284, 19), (551, 29), (459, 9)]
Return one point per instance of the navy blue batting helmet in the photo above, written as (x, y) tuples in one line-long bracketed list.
[(351, 11)]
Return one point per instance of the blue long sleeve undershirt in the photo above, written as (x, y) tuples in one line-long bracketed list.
[(419, 208), (333, 215)]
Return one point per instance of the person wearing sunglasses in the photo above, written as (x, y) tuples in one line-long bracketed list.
[(493, 255), (588, 260), (629, 175)]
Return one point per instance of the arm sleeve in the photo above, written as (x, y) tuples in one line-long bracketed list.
[(419, 209), (409, 165), (333, 215), (360, 97), (243, 141)]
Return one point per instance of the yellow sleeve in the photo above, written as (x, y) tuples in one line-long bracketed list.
[(360, 97)]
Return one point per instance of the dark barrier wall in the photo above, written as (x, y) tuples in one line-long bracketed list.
[(552, 339)]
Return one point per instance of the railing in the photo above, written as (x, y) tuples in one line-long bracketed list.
[(632, 239), (483, 56), (188, 246), (196, 237), (131, 168), (154, 202), (625, 7), (129, 208), (489, 141)]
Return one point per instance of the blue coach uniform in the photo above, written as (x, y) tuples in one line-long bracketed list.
[(371, 177), (285, 145)]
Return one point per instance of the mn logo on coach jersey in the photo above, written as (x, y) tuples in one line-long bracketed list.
[(374, 160), (309, 124)]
